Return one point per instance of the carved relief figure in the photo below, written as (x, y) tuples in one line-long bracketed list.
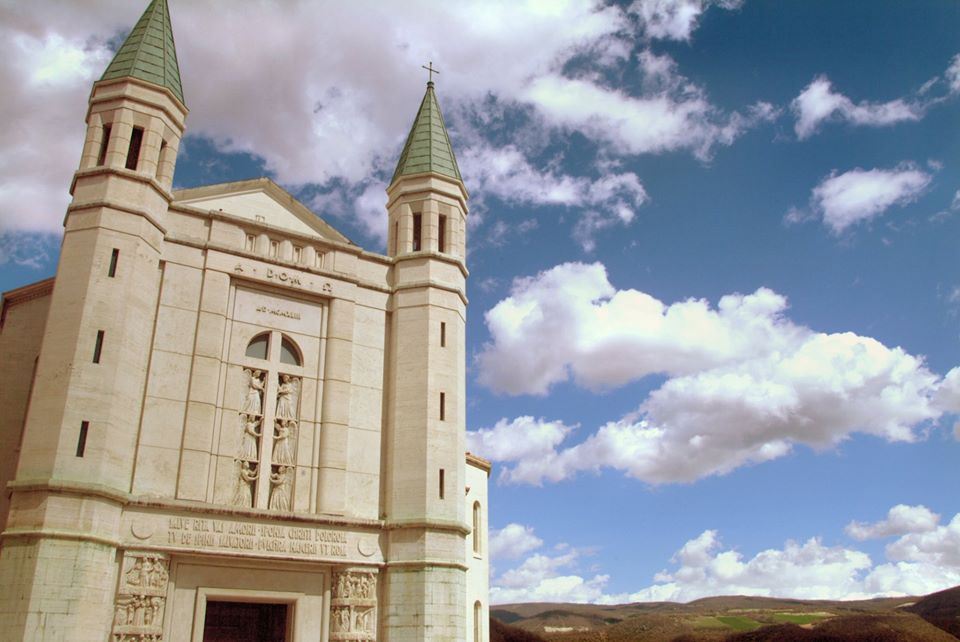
[(253, 402), (123, 614), (138, 609), (341, 620), (249, 446), (283, 442), (280, 493), (287, 397), (248, 475), (354, 606)]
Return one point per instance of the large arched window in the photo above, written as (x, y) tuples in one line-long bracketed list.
[(269, 423), (477, 530), (257, 348), (289, 353)]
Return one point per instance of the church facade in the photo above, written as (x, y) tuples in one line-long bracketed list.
[(224, 420)]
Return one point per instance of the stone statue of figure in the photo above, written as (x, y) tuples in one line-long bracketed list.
[(280, 493), (286, 398), (244, 494), (252, 404), (249, 448), (283, 443)]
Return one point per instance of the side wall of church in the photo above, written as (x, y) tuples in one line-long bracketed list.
[(476, 552), (24, 316)]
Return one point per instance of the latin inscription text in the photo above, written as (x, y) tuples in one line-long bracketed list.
[(263, 538), (278, 312)]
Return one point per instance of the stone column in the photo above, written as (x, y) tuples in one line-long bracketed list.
[(335, 409)]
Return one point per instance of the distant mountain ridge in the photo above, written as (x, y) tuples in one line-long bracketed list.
[(931, 618)]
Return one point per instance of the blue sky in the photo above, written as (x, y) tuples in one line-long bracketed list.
[(714, 294)]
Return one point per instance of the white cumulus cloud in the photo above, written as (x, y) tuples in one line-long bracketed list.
[(808, 570), (953, 74), (324, 122), (545, 576), (922, 560), (819, 103), (901, 519), (674, 19), (744, 383), (859, 195), (939, 546), (513, 541), (506, 173)]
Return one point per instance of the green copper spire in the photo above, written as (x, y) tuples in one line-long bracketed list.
[(428, 146), (148, 52)]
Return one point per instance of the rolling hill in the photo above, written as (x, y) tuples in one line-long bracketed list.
[(932, 618)]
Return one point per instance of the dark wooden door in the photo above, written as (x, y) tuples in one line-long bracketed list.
[(245, 622)]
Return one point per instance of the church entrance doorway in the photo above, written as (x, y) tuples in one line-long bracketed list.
[(245, 622)]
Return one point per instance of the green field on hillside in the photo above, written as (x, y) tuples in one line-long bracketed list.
[(739, 622), (799, 618)]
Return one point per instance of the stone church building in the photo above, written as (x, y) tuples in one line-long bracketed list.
[(222, 419)]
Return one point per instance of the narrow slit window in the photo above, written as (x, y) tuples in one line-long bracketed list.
[(442, 235), (396, 237), (274, 248), (297, 253), (160, 159), (443, 334), (102, 156), (112, 272), (417, 229), (441, 483), (82, 438), (476, 527), (251, 242), (133, 153), (477, 622), (98, 347), (443, 403)]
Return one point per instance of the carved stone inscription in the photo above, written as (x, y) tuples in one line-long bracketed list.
[(274, 310), (141, 596), (353, 606), (225, 535)]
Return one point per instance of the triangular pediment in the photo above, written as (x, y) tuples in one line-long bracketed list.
[(262, 201)]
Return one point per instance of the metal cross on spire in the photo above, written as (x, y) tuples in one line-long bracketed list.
[(431, 70)]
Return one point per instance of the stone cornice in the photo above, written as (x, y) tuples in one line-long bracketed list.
[(179, 119), (23, 294), (124, 173), (479, 462), (428, 524), (437, 256), (417, 285), (84, 489), (426, 563), (290, 265)]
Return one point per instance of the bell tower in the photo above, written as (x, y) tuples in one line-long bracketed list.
[(58, 561), (426, 418)]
